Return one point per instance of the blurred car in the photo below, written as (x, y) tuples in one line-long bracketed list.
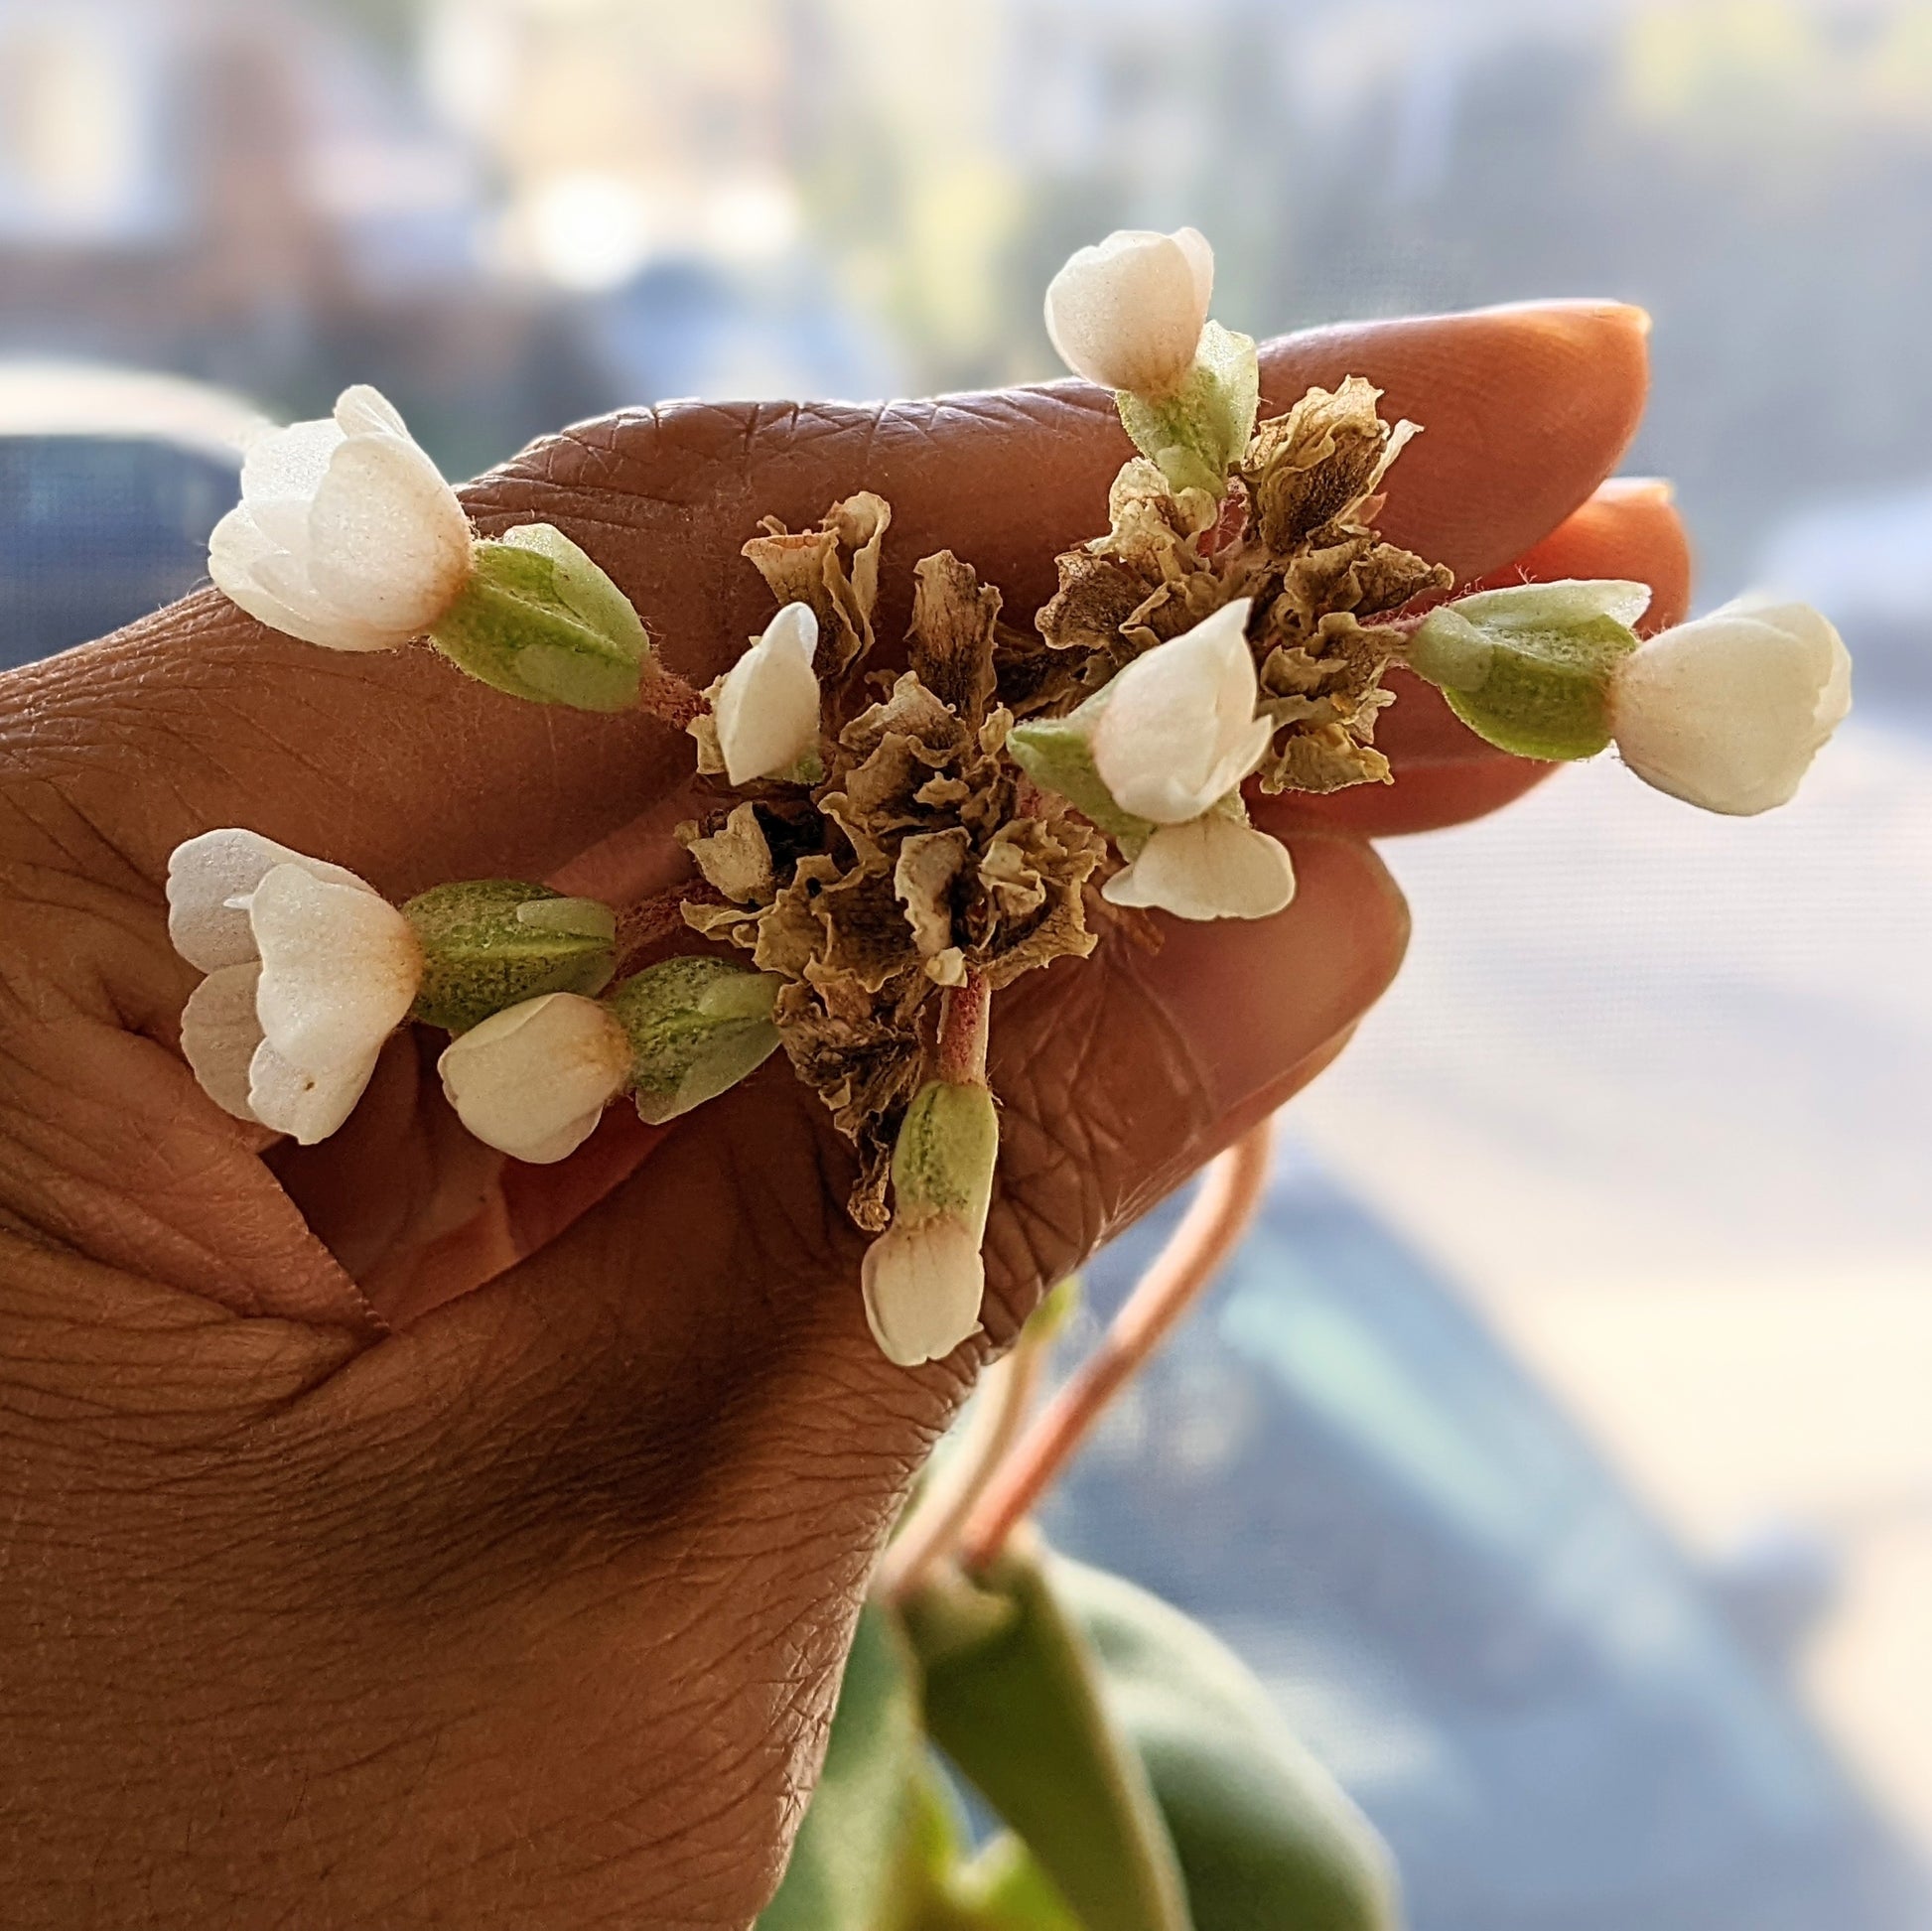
[(110, 481), (1549, 1711)]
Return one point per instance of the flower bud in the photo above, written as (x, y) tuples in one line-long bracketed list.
[(540, 620), (696, 1028), (1530, 668), (1128, 313), (766, 709), (923, 1279), (533, 1081), (345, 535), (492, 943), (1728, 711)]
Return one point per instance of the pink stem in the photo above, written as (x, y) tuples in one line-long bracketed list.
[(1214, 1225), (963, 1031), (664, 694)]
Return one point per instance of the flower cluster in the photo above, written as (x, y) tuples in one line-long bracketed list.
[(899, 828)]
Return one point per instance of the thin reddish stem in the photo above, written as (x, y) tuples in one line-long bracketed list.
[(664, 694), (1213, 1228), (963, 1031), (1006, 1398), (655, 922)]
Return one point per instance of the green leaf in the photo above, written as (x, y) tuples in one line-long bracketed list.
[(1199, 434), (540, 620), (1015, 1701), (1266, 1837), (856, 1864), (1529, 668), (491, 943)]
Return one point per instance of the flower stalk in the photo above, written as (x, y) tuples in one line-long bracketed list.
[(1213, 1226)]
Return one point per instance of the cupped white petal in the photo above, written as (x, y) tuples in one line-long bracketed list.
[(923, 1284), (389, 542), (1128, 313), (364, 411), (220, 1033), (1179, 731), (206, 874), (345, 535), (304, 1102), (533, 1081), (281, 472), (340, 968), (1215, 868), (767, 712), (1728, 711), (267, 582)]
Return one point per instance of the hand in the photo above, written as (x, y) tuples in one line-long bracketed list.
[(400, 1539)]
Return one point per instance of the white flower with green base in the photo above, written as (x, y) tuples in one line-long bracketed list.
[(347, 536), (1726, 712), (923, 1279), (1131, 313), (1157, 758)]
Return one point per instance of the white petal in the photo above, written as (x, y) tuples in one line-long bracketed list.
[(1179, 731), (390, 544), (340, 968), (205, 874), (281, 474), (923, 1285), (767, 711), (361, 410), (305, 1104), (1728, 711), (1128, 314), (1214, 867), (533, 1081), (220, 1033), (273, 587), (1201, 261)]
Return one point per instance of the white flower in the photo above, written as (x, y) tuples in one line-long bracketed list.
[(767, 711), (1728, 712), (1128, 314), (533, 1081), (308, 971), (345, 535), (1216, 866), (1179, 731), (924, 1281)]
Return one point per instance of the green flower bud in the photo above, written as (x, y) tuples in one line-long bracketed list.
[(540, 620), (1199, 434), (942, 1164), (491, 943), (697, 1027), (1530, 668)]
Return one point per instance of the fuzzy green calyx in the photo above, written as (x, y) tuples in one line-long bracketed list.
[(948, 1145), (1529, 668), (540, 620), (1057, 754), (491, 943), (697, 1027), (1199, 434)]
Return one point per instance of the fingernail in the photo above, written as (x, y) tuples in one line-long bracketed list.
[(1638, 489)]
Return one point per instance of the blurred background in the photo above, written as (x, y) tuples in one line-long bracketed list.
[(1560, 1451)]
